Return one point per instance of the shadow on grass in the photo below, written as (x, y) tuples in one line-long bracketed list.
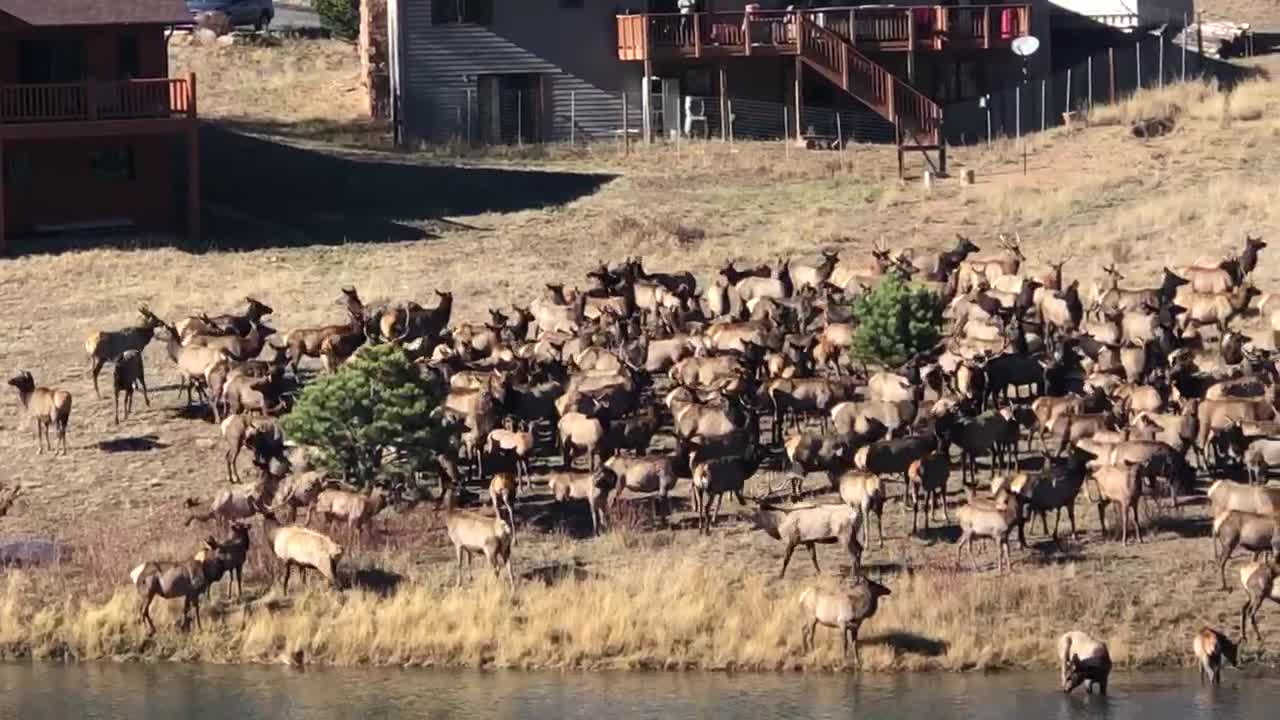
[(142, 443), (375, 580), (556, 573), (267, 191), (909, 643)]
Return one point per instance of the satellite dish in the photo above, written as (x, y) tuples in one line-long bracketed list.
[(1025, 46)]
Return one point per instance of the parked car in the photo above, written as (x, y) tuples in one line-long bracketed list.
[(258, 13)]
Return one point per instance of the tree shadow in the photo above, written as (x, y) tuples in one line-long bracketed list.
[(142, 443), (909, 643)]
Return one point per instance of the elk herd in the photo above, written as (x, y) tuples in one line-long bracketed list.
[(651, 383)]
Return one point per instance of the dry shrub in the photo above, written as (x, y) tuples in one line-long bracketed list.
[(654, 232)]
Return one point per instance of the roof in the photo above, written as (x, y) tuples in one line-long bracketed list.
[(96, 12)]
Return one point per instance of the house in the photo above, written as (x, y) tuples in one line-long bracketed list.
[(93, 131), (515, 70)]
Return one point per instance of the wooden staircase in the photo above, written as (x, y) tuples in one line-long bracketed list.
[(917, 120)]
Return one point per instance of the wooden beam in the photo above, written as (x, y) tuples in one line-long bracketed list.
[(799, 98), (646, 101), (96, 129), (724, 101), (3, 219)]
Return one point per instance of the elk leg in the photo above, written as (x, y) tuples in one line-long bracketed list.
[(786, 559), (146, 614), (288, 568), (879, 524), (195, 605), (813, 555), (1222, 564), (95, 368)]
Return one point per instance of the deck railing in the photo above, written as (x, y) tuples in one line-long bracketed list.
[(123, 100), (884, 28)]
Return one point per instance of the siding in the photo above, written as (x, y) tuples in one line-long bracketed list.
[(574, 49)]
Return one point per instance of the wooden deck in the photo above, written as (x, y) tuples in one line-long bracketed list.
[(91, 108), (869, 29)]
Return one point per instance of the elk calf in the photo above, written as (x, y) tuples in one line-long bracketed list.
[(1210, 648), (843, 611), (47, 406)]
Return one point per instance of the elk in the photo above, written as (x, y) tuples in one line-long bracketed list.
[(231, 553), (987, 521), (187, 580), (865, 493), (240, 324), (1232, 529), (592, 487), (714, 477), (302, 548), (814, 275), (1083, 659), (927, 478), (308, 342), (49, 407), (1122, 486), (105, 346), (643, 474), (843, 611), (809, 525), (355, 508), (1210, 647), (976, 269), (125, 376), (1259, 582), (472, 532)]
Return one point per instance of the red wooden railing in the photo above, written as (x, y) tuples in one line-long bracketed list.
[(124, 100), (910, 110), (886, 28)]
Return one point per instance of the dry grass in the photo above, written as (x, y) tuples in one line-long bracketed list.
[(664, 609), (663, 598)]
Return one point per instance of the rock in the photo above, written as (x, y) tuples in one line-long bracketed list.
[(204, 36), (227, 40)]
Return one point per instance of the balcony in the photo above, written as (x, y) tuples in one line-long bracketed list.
[(921, 28), (97, 108)]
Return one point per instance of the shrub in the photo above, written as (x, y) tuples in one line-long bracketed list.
[(340, 17), (895, 321), (371, 420)]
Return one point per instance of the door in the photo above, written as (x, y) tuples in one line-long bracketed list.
[(510, 108)]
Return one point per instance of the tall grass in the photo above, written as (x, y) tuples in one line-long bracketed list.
[(665, 611)]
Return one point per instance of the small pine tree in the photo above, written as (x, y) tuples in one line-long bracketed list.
[(371, 420), (895, 321), (340, 17)]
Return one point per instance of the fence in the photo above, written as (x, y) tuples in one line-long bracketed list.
[(1037, 103), (1110, 75)]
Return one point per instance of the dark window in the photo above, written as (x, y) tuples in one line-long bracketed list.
[(17, 168), (571, 4), (477, 12), (128, 60), (114, 162), (58, 60)]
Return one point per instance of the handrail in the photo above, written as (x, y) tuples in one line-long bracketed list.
[(91, 100), (881, 90), (887, 27)]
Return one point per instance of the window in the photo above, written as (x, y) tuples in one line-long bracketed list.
[(128, 61), (57, 60), (571, 4), (17, 168), (450, 12), (113, 163)]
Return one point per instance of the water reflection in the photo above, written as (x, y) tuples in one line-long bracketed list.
[(215, 693)]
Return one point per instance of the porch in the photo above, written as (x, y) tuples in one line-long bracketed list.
[(870, 29)]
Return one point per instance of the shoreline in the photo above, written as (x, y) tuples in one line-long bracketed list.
[(656, 615)]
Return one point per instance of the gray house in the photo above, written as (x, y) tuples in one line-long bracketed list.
[(494, 71), (497, 70)]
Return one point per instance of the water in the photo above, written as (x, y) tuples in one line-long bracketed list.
[(198, 692)]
